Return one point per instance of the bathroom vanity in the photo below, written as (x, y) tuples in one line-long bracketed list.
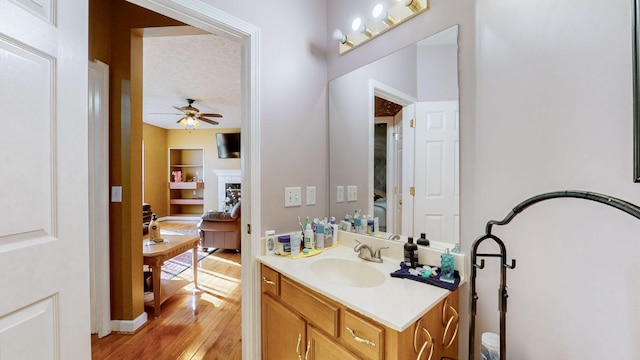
[(336, 306)]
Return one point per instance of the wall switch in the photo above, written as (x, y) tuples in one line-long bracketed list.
[(292, 196), (311, 195), (116, 194), (340, 193), (352, 193)]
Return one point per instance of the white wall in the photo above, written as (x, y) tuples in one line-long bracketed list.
[(554, 112), (293, 103), (546, 104)]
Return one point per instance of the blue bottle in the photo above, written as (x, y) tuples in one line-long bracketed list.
[(446, 267)]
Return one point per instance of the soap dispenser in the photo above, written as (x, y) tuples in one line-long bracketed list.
[(411, 253), (446, 267)]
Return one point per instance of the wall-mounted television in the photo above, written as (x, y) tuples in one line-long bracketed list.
[(228, 145)]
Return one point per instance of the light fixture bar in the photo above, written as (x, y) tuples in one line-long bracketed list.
[(382, 22)]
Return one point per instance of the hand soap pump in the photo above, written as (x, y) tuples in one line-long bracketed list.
[(411, 253), (154, 229)]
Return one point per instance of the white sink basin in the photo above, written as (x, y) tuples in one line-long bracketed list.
[(354, 273)]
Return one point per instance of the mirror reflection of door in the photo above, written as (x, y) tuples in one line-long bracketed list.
[(387, 165)]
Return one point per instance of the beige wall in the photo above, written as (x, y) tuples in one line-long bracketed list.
[(156, 191)]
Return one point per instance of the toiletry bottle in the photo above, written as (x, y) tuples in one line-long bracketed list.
[(334, 227), (446, 266), (369, 224), (295, 243), (456, 249), (154, 229), (423, 240), (308, 237), (328, 236), (320, 236), (410, 253)]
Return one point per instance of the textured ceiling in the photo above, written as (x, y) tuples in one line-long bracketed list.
[(202, 67)]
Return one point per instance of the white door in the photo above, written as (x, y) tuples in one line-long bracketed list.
[(44, 307), (406, 154), (437, 181)]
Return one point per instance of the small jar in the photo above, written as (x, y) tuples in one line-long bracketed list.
[(285, 242)]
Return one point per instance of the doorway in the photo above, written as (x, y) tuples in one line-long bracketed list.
[(210, 19)]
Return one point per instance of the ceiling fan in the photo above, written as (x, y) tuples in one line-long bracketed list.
[(192, 116)]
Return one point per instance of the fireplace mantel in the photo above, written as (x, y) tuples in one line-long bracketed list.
[(232, 176)]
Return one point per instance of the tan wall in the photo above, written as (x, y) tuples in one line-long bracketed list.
[(206, 139), (111, 40), (156, 192)]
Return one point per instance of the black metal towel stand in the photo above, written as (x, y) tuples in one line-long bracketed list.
[(625, 206)]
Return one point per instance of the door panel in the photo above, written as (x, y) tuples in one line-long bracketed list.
[(43, 180), (437, 195)]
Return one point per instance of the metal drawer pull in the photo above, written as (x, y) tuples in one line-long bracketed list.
[(428, 342), (298, 347), (306, 354), (415, 336), (264, 278), (453, 318), (359, 339)]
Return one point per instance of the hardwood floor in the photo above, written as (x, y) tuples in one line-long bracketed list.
[(201, 323)]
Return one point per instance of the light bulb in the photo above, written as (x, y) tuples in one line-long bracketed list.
[(357, 25), (339, 36), (377, 11)]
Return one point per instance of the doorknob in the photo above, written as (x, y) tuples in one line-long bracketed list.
[(400, 202)]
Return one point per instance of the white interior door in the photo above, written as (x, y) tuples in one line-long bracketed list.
[(437, 180), (405, 201), (44, 308)]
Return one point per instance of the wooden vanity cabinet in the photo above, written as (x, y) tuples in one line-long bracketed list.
[(298, 323)]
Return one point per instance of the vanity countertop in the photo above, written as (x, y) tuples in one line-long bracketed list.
[(396, 303)]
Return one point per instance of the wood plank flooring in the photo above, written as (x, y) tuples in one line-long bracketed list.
[(195, 324)]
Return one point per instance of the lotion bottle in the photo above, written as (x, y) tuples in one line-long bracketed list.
[(154, 229), (308, 237), (410, 254)]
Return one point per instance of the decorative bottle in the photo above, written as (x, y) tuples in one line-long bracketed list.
[(446, 266)]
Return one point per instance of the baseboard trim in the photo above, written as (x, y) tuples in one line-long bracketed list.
[(128, 326)]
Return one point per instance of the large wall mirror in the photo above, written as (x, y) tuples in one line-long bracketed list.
[(635, 47), (393, 140)]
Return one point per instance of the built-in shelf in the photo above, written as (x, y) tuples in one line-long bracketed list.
[(186, 196), (186, 185)]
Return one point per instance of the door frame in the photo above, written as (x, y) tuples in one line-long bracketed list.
[(387, 92), (210, 19), (100, 287)]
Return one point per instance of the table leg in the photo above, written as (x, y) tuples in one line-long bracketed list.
[(155, 274), (195, 266)]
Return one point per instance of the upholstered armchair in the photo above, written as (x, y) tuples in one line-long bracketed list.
[(220, 230)]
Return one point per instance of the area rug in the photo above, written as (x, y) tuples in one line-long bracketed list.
[(182, 262), (179, 232)]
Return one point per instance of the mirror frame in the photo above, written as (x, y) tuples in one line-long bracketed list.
[(636, 85)]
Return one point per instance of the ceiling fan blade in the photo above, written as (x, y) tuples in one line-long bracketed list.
[(182, 118), (209, 121), (212, 115), (174, 114), (177, 108)]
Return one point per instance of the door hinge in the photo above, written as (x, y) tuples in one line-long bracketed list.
[(412, 191), (249, 229), (412, 123)]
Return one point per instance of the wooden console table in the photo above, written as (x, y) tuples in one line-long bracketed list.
[(155, 254)]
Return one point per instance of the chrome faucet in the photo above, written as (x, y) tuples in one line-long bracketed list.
[(394, 237), (369, 255)]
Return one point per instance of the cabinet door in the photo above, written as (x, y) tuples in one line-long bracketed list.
[(321, 347), (283, 331)]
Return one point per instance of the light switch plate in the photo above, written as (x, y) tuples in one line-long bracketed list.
[(352, 193), (340, 193), (292, 196), (311, 195), (116, 194)]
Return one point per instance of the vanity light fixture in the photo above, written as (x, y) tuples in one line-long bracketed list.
[(382, 20), (189, 122)]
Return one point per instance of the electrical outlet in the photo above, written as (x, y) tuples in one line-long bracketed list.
[(340, 193), (311, 195), (292, 196), (352, 193)]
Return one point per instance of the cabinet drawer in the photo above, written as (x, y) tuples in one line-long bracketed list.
[(270, 281), (362, 336), (318, 311)]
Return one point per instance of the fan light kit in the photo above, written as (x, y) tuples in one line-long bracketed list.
[(383, 19), (192, 116)]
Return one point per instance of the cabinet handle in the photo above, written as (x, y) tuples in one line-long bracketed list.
[(359, 339), (444, 311), (306, 354), (264, 278), (427, 343), (298, 347), (415, 335), (453, 318)]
